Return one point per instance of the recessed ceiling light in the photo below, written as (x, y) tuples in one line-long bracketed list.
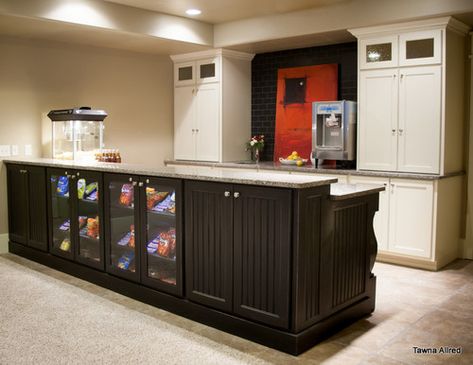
[(193, 12)]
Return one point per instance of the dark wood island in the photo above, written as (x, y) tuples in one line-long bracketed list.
[(283, 260)]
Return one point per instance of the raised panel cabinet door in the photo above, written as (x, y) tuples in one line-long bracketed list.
[(378, 120), (411, 215), (420, 119), (37, 208), (262, 254), (17, 204), (209, 243), (381, 217), (184, 123), (208, 122)]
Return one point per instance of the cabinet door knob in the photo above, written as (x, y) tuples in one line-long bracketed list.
[(400, 131), (130, 179), (236, 194), (197, 130), (73, 177), (140, 184), (193, 130), (226, 194), (147, 181), (393, 130), (78, 174), (134, 183)]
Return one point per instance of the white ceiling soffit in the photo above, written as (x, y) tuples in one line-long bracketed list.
[(113, 17), (221, 11), (84, 35), (340, 16), (312, 40)]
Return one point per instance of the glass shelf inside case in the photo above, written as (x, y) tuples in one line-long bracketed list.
[(161, 233), (122, 215)]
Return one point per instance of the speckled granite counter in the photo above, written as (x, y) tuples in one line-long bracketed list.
[(276, 166), (186, 172), (214, 173)]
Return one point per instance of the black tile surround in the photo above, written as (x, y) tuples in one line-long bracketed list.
[(264, 79)]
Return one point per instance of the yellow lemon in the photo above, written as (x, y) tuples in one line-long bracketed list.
[(299, 162), (294, 153)]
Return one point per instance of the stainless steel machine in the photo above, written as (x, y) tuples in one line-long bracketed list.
[(333, 131)]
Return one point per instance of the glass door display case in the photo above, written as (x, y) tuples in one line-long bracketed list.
[(161, 233), (122, 215), (60, 211), (76, 212), (89, 245)]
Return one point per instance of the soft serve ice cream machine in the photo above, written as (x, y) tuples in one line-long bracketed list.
[(333, 130)]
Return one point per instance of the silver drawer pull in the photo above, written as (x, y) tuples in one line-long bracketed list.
[(140, 184), (226, 194), (236, 194)]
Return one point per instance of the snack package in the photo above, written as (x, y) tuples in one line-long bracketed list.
[(82, 221), (80, 188), (153, 246), (65, 226), (167, 243), (129, 238), (126, 196), (153, 197), (125, 261), (62, 187), (89, 189), (65, 245), (94, 196), (93, 227)]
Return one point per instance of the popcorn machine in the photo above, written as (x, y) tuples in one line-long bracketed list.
[(77, 133)]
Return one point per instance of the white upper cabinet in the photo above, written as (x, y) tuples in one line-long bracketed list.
[(212, 105), (410, 75), (378, 52), (377, 135), (420, 48), (419, 119)]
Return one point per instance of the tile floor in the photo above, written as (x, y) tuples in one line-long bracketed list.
[(414, 308)]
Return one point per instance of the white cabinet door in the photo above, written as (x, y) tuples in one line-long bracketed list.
[(184, 123), (184, 73), (378, 52), (377, 121), (208, 117), (419, 119), (411, 214), (420, 48), (208, 70), (381, 218)]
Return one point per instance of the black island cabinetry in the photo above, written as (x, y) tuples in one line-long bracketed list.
[(282, 264)]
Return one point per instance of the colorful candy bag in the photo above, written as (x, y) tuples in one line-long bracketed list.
[(80, 188), (125, 261), (126, 196), (91, 189), (65, 245), (62, 187), (65, 226)]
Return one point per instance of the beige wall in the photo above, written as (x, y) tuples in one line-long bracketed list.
[(135, 89)]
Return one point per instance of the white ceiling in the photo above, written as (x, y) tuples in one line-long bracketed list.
[(221, 11), (31, 28)]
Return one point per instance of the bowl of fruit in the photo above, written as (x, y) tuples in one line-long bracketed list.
[(293, 159)]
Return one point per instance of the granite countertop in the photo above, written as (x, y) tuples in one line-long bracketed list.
[(346, 191), (188, 172), (276, 166)]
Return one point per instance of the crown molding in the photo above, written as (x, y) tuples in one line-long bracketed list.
[(212, 53)]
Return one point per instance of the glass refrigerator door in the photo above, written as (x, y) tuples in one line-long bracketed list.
[(88, 211), (161, 252), (123, 257), (61, 214)]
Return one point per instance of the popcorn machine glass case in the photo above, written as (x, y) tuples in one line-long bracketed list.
[(77, 133)]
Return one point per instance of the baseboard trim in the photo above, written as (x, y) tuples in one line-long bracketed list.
[(4, 243), (404, 260)]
